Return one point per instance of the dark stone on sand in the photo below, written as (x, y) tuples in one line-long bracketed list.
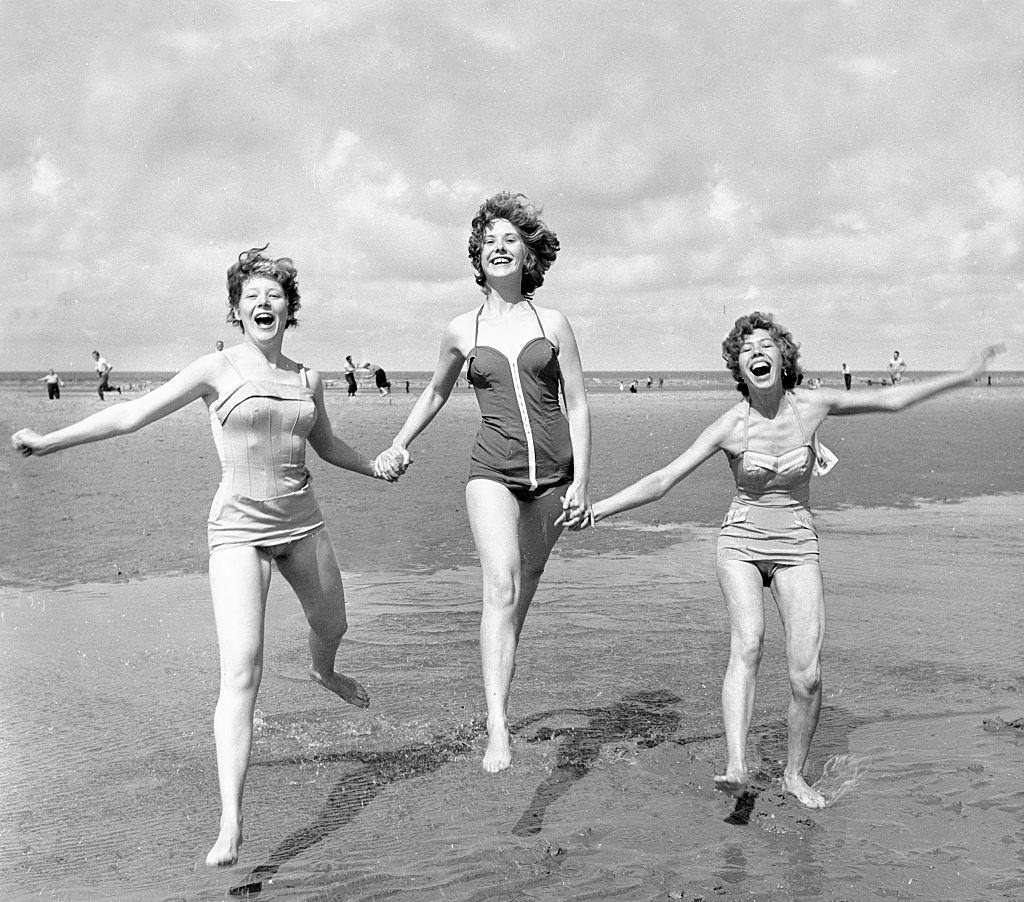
[(998, 725)]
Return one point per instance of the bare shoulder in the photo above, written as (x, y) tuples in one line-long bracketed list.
[(727, 430), (552, 319), (818, 401), (459, 333)]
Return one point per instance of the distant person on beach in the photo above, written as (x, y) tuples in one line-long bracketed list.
[(380, 379), (768, 536), (103, 370), (622, 385), (650, 382), (53, 384), (264, 408), (661, 382), (531, 461), (632, 387), (847, 377), (407, 386), (219, 345), (897, 367), (350, 376)]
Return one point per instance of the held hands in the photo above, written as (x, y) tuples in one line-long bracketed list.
[(391, 464), (27, 442), (576, 513)]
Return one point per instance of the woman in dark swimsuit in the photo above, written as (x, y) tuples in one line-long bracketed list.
[(768, 536), (531, 461)]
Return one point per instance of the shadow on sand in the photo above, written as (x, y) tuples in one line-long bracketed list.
[(646, 719)]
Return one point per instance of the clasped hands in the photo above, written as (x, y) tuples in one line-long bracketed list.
[(577, 512), (389, 465)]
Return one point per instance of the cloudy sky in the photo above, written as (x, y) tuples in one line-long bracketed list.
[(855, 167)]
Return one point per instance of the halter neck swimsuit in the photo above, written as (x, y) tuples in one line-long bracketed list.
[(769, 522), (260, 429), (523, 442)]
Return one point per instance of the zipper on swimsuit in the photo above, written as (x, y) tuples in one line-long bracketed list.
[(531, 454)]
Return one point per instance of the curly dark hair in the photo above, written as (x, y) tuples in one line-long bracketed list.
[(792, 374), (253, 263), (541, 243)]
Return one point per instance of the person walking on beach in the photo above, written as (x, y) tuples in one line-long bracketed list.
[(531, 461), (768, 538), (103, 370), (350, 376), (897, 367), (847, 377), (264, 409), (53, 384)]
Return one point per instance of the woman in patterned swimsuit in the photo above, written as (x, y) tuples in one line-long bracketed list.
[(264, 408), (768, 536), (531, 461)]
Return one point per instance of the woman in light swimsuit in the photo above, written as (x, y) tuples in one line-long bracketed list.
[(768, 536), (531, 461), (264, 408)]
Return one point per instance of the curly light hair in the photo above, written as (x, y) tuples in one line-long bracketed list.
[(541, 243), (792, 374), (252, 263)]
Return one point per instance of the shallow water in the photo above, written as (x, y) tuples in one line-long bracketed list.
[(109, 787)]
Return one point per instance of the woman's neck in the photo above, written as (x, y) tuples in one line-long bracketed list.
[(269, 351), (505, 294), (768, 401)]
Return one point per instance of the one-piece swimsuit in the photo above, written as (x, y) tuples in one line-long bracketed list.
[(265, 496), (523, 442), (769, 522)]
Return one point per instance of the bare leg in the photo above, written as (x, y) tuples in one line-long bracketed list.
[(800, 597), (742, 587), (514, 540), (239, 581), (311, 568)]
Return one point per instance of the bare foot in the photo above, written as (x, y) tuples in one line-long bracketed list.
[(225, 850), (498, 756), (344, 687), (733, 781), (798, 788)]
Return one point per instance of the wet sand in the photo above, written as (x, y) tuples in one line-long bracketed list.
[(108, 653)]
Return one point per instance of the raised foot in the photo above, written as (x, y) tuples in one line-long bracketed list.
[(225, 850), (498, 756), (798, 788), (733, 782), (344, 687)]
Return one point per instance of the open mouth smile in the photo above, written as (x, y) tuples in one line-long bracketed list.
[(266, 320), (760, 368)]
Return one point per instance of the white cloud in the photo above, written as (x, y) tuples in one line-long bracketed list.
[(46, 179)]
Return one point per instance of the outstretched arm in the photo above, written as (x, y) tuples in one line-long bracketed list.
[(328, 445), (449, 364), (900, 397), (195, 381), (657, 484)]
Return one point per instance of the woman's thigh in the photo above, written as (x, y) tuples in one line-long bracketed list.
[(800, 597), (310, 567), (239, 582), (743, 589)]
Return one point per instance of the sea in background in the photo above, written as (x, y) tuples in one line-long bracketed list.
[(597, 380), (109, 666)]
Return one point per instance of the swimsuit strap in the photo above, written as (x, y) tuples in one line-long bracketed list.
[(536, 314), (746, 428), (476, 330), (241, 378), (305, 378), (799, 422)]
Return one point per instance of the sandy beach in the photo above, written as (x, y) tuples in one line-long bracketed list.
[(109, 659)]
